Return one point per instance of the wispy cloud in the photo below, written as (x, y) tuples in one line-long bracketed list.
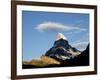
[(74, 32), (53, 26), (80, 45)]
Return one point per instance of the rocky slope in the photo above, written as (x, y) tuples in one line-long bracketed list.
[(61, 54), (62, 50)]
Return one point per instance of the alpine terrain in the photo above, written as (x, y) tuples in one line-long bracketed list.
[(61, 54)]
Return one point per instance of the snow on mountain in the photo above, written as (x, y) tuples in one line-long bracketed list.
[(60, 36), (61, 49)]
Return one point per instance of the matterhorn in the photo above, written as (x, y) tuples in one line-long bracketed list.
[(61, 49)]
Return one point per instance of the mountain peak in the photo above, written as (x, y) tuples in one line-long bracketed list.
[(60, 36)]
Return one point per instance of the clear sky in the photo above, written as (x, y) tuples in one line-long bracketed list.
[(39, 30)]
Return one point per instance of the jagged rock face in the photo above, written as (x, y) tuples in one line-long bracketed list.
[(80, 60), (60, 60), (61, 54), (61, 50), (58, 53), (61, 43)]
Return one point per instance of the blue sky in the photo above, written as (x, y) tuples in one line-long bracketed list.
[(39, 36)]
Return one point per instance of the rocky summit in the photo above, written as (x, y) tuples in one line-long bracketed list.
[(61, 54), (62, 50)]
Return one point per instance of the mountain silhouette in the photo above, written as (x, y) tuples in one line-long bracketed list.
[(80, 60), (61, 54), (62, 50)]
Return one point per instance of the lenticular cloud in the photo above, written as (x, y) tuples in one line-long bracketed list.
[(53, 26)]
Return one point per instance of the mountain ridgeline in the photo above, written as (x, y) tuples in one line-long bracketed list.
[(67, 55), (61, 54), (62, 50)]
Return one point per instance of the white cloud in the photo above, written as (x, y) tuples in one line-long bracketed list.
[(53, 26), (80, 45), (75, 32)]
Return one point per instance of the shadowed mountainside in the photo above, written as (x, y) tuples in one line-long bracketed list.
[(62, 54)]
